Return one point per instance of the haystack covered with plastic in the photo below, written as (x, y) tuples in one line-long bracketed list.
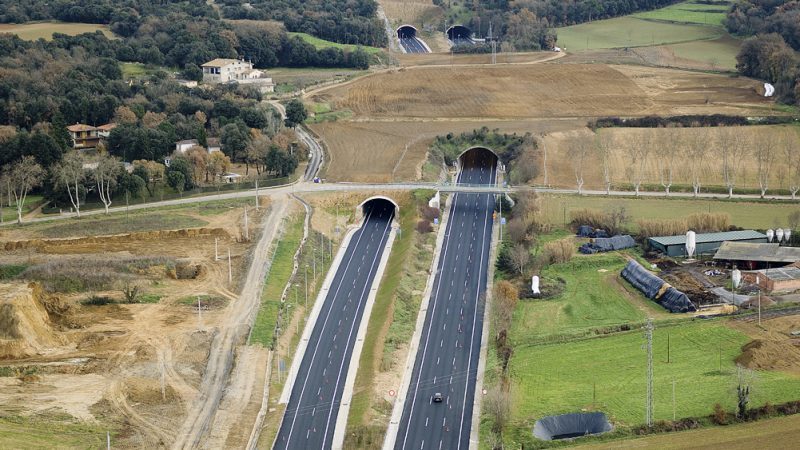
[(657, 289)]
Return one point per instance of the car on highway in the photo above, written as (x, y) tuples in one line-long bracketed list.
[(438, 397)]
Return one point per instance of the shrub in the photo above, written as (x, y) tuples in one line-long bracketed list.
[(9, 271), (423, 226), (700, 223), (720, 417), (96, 300), (612, 221), (429, 213), (560, 251)]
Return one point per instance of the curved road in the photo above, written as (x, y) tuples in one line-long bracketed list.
[(413, 45), (310, 417), (449, 348)]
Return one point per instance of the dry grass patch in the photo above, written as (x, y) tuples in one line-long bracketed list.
[(543, 91)]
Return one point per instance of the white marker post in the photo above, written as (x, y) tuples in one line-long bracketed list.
[(216, 249)]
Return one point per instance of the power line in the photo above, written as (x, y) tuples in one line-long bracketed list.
[(648, 332)]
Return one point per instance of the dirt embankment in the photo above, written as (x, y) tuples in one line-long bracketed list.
[(774, 347), (44, 244), (25, 326)]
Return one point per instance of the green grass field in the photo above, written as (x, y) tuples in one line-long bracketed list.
[(138, 70), (322, 43), (279, 273), (9, 213), (44, 30), (40, 433), (688, 12), (608, 374), (759, 215), (722, 51), (630, 32), (593, 297)]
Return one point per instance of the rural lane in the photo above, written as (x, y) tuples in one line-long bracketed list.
[(238, 320)]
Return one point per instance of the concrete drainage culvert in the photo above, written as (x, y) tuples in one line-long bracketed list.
[(573, 425)]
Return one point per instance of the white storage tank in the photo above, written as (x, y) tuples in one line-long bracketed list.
[(691, 243)]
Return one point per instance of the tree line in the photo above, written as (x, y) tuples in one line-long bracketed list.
[(182, 35), (342, 21)]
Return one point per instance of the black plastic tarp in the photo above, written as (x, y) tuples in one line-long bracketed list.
[(676, 301), (650, 285), (642, 279), (614, 243), (571, 425)]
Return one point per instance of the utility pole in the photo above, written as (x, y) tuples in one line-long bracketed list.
[(246, 228), (216, 249), (230, 270), (199, 315), (649, 406), (306, 285), (256, 193), (759, 300)]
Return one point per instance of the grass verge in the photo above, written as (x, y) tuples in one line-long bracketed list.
[(42, 433), (280, 270), (630, 31), (322, 43)]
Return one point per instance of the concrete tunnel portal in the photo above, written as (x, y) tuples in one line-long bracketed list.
[(459, 32), (475, 157), (406, 32), (377, 203)]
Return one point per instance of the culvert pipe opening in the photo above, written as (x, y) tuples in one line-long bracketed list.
[(570, 426)]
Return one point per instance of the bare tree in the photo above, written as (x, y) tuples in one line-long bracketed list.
[(520, 257), (70, 174), (639, 154), (604, 144), (764, 153), (791, 159), (666, 155), (578, 151), (497, 404), (256, 152), (23, 175), (105, 177), (544, 158), (695, 153), (733, 149)]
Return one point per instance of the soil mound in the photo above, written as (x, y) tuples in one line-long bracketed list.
[(25, 328), (770, 355)]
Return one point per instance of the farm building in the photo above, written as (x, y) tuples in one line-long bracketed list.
[(757, 256), (782, 279), (705, 242)]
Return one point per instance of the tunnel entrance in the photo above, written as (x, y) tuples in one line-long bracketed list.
[(377, 205), (477, 165), (477, 157), (459, 33), (406, 32)]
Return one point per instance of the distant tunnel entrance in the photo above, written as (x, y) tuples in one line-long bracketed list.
[(378, 206), (459, 33), (477, 165), (406, 32)]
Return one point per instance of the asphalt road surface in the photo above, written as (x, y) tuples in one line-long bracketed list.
[(449, 349), (413, 45), (310, 416)]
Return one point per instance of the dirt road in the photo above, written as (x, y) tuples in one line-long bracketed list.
[(231, 332)]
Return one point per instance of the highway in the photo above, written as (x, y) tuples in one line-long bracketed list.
[(413, 45), (310, 416), (449, 348)]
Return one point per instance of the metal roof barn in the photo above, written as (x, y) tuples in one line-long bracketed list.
[(706, 242)]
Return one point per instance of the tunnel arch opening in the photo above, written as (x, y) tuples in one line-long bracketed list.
[(375, 204), (478, 157), (406, 32), (459, 33)]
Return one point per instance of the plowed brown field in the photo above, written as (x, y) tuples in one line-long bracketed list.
[(543, 91)]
